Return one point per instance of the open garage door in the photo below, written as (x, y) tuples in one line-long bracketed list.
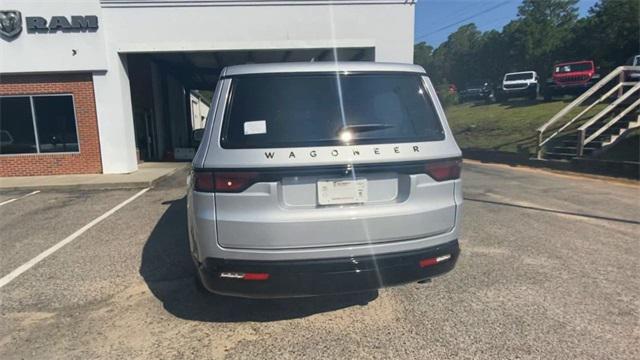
[(164, 86)]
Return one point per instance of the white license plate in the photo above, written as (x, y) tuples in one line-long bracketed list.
[(342, 192)]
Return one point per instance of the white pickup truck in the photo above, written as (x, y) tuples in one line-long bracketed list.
[(519, 84)]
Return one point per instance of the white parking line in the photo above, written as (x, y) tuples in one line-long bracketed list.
[(29, 264), (18, 198)]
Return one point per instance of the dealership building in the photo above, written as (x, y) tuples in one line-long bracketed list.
[(96, 86)]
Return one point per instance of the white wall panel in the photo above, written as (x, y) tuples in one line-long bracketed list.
[(129, 26), (48, 52)]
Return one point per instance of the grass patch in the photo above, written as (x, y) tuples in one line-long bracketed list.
[(509, 126)]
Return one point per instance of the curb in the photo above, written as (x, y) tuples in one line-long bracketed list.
[(615, 169), (101, 186), (83, 187)]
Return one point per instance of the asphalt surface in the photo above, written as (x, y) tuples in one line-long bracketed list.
[(548, 270)]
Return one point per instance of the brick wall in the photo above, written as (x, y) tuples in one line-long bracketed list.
[(88, 161)]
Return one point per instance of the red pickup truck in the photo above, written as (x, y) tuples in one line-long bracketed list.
[(570, 78)]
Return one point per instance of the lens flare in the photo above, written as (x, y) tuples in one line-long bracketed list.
[(346, 136)]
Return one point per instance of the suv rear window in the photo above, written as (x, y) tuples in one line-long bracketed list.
[(295, 110)]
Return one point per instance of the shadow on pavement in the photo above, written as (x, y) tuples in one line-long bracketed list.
[(169, 273)]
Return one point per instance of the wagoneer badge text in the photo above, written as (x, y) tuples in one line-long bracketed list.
[(335, 152)]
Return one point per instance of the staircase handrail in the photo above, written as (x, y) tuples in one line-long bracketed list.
[(568, 123), (618, 72), (582, 130), (610, 107)]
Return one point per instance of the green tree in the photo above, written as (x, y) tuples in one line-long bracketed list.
[(457, 56), (493, 56), (423, 56), (540, 32), (544, 32), (610, 34), (422, 53)]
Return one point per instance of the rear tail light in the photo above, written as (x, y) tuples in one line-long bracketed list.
[(207, 181), (444, 170), (234, 181), (203, 181), (238, 181)]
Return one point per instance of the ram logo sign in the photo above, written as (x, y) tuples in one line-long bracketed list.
[(36, 24), (10, 23)]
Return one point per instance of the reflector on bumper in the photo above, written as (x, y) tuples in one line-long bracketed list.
[(244, 276), (434, 261)]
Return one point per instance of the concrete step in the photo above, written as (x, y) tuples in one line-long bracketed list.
[(559, 155), (574, 143)]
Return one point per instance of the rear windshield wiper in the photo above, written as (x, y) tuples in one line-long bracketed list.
[(365, 127)]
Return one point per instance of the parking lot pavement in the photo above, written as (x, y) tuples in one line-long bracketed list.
[(548, 270), (34, 223), (7, 197)]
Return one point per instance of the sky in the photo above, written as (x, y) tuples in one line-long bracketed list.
[(436, 19)]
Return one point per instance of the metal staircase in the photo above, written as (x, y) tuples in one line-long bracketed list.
[(617, 96)]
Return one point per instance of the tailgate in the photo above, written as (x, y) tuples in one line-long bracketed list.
[(286, 211)]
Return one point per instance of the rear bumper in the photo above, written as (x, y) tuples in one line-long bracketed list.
[(326, 276)]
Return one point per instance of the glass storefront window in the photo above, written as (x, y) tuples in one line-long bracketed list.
[(37, 124), (16, 126), (56, 123)]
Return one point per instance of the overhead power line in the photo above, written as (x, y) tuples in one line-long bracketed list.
[(465, 19), (459, 11)]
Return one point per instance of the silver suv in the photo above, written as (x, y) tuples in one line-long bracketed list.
[(319, 178)]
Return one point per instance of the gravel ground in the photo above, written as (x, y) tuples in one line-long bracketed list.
[(548, 270)]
